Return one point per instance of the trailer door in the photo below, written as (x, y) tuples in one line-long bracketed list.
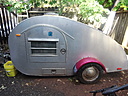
[(45, 44)]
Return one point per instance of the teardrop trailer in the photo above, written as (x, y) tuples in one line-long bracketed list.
[(58, 46)]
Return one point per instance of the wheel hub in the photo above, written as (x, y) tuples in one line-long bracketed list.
[(90, 73)]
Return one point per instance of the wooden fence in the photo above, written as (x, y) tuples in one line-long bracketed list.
[(119, 26), (8, 20)]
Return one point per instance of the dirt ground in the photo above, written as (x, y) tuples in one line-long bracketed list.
[(23, 85)]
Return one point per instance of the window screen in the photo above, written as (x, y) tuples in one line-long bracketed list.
[(44, 47), (43, 44)]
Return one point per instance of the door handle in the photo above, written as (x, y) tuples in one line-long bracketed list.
[(63, 51)]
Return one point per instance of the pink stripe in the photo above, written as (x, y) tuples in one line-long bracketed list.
[(84, 61)]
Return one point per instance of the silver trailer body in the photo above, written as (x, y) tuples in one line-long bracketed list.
[(54, 45)]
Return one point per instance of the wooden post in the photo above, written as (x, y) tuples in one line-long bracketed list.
[(125, 40)]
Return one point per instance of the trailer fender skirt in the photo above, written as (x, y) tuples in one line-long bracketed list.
[(87, 60)]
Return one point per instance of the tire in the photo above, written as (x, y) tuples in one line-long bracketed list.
[(90, 73)]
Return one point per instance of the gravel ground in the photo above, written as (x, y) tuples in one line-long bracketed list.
[(23, 85)]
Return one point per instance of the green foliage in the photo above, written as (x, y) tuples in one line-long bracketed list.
[(19, 5), (106, 3), (122, 5), (1, 1), (23, 5), (88, 11), (92, 11)]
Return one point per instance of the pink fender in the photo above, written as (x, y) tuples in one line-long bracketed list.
[(87, 60)]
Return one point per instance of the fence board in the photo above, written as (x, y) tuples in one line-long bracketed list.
[(10, 20), (7, 21), (2, 31)]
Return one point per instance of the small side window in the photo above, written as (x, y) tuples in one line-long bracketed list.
[(44, 48)]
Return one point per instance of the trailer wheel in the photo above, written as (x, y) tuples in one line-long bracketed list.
[(90, 73)]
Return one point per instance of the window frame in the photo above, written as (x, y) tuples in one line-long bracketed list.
[(40, 48)]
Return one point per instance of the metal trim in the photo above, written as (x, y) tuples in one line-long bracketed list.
[(42, 39), (47, 25)]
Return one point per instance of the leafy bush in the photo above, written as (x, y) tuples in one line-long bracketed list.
[(23, 5), (93, 11), (119, 5), (122, 5)]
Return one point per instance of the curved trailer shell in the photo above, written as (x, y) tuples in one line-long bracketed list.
[(54, 45)]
